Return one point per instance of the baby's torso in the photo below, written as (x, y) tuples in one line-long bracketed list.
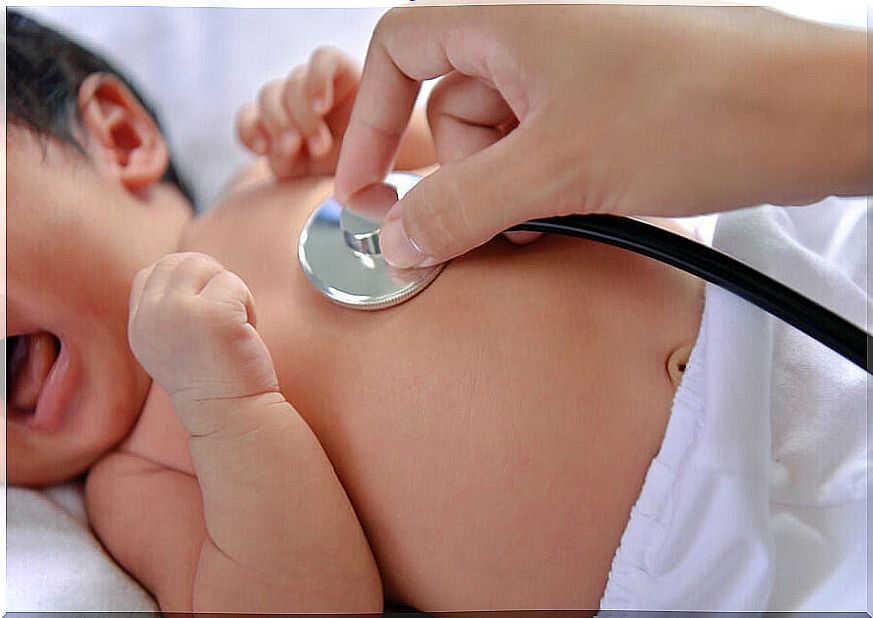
[(491, 433)]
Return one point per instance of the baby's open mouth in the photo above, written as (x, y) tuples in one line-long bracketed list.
[(29, 360)]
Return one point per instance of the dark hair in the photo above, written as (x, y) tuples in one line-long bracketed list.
[(44, 70)]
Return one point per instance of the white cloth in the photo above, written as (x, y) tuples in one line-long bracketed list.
[(55, 563), (757, 498)]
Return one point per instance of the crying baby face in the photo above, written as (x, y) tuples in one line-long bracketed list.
[(75, 239)]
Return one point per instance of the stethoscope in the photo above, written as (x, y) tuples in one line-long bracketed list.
[(339, 252)]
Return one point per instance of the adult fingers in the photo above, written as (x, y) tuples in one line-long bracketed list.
[(464, 204), (408, 47), (465, 116)]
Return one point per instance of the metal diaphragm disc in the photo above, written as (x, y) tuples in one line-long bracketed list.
[(339, 252)]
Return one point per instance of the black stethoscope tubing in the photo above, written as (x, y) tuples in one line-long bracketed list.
[(647, 239)]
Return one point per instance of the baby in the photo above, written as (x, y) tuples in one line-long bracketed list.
[(259, 449)]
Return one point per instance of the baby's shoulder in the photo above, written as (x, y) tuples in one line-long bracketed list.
[(158, 436)]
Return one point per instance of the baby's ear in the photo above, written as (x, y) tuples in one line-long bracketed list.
[(120, 135)]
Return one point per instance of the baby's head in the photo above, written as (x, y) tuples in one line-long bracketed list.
[(91, 198)]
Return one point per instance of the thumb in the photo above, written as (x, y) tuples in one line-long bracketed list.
[(464, 204)]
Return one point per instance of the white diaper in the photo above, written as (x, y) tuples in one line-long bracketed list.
[(757, 498)]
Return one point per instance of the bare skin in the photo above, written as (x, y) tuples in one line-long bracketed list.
[(655, 110), (478, 447), (511, 487)]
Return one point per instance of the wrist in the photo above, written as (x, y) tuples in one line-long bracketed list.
[(227, 417)]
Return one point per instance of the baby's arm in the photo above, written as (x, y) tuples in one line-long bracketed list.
[(297, 123), (266, 526)]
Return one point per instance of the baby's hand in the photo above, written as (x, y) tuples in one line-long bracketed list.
[(298, 122), (192, 327)]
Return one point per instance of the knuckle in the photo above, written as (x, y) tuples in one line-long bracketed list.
[(294, 87), (326, 51), (386, 23), (172, 259), (289, 103), (202, 260), (296, 77), (319, 55), (245, 120), (266, 92), (187, 264)]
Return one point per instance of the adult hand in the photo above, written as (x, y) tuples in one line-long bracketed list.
[(549, 110)]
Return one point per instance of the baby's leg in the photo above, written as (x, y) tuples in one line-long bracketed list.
[(282, 535)]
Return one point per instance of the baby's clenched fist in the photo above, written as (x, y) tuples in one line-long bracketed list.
[(192, 327)]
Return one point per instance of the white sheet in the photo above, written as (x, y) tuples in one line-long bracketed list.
[(757, 498), (55, 563)]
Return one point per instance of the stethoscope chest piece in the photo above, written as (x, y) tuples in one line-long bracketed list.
[(339, 252)]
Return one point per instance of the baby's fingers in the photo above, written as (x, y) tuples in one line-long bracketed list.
[(226, 288), (332, 76), (271, 111), (249, 131), (300, 110), (136, 288), (284, 156), (282, 148)]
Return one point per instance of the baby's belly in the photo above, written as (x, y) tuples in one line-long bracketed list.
[(493, 432)]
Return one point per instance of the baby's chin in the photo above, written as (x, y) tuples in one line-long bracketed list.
[(72, 410), (35, 460)]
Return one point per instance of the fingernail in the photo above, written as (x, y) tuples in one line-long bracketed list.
[(315, 144), (374, 201), (398, 249), (319, 105), (318, 144), (288, 142)]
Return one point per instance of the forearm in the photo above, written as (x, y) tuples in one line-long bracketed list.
[(836, 79), (281, 533), (809, 111)]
